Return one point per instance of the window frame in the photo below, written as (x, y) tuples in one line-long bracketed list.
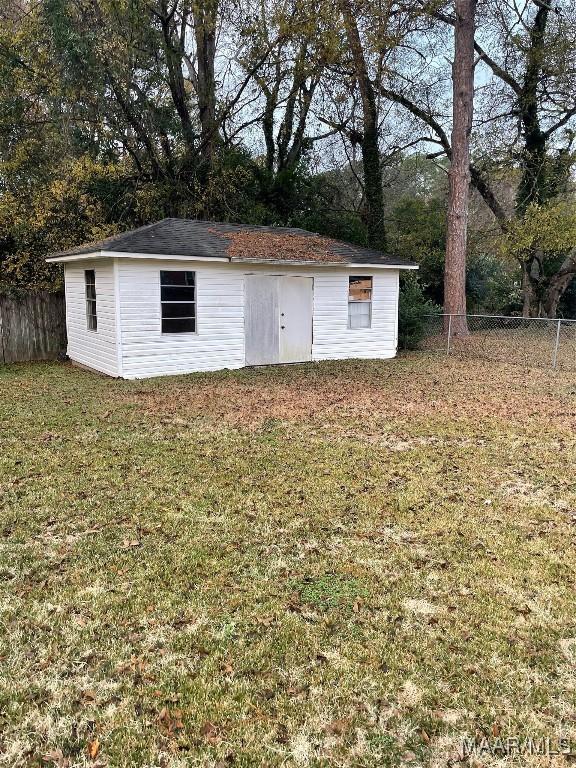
[(91, 298), (162, 302), (361, 301)]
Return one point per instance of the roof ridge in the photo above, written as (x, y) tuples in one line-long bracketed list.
[(245, 225)]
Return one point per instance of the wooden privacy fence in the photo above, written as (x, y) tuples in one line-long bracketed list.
[(32, 327)]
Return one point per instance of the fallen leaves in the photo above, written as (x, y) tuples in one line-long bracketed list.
[(363, 394), (358, 604), (282, 734), (55, 757), (337, 727), (88, 696), (286, 563), (134, 664), (130, 543), (260, 245), (209, 732), (227, 668), (170, 721), (93, 748)]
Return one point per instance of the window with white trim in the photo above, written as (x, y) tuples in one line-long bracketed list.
[(178, 301), (359, 302), (90, 289)]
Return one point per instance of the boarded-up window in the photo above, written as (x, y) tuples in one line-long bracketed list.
[(178, 299), (359, 302), (91, 314)]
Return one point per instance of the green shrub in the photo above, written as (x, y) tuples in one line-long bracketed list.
[(412, 311)]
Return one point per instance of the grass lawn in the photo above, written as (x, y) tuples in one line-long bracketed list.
[(343, 564)]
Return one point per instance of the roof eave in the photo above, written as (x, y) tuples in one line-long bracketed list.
[(63, 258), (317, 263), (67, 258), (58, 258)]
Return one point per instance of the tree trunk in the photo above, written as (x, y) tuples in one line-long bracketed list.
[(459, 174), (173, 50), (529, 291), (553, 295), (205, 14), (558, 284), (532, 187), (371, 164), (268, 130)]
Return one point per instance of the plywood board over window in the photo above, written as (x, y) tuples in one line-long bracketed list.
[(359, 302)]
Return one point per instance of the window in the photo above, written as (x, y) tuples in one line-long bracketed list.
[(178, 299), (359, 302), (91, 315)]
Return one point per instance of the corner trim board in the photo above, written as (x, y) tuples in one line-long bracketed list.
[(118, 313)]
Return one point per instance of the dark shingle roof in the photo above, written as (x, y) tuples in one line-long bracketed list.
[(208, 239)]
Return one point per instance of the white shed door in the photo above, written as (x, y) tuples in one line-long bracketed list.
[(295, 319), (278, 319), (261, 326)]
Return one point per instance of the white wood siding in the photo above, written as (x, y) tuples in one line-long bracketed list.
[(129, 341), (219, 339), (333, 340), (96, 349)]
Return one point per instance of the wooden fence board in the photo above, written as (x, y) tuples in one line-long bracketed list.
[(32, 327)]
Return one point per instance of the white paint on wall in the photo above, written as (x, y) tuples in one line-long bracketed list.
[(218, 341), (333, 340), (129, 341), (95, 349)]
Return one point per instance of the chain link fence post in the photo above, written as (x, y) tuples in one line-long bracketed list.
[(557, 343), (534, 342)]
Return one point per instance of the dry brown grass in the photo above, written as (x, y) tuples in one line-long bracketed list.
[(342, 565), (529, 346), (420, 385)]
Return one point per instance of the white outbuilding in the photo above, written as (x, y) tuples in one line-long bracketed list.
[(182, 295)]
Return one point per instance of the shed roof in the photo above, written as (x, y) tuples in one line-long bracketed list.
[(192, 238)]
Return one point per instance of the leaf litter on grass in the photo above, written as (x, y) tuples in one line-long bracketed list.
[(314, 565)]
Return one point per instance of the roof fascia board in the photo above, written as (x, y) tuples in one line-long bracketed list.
[(133, 255), (335, 264), (75, 257), (222, 259)]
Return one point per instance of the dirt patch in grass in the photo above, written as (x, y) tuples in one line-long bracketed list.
[(344, 564)]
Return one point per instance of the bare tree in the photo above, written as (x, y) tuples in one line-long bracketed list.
[(205, 16), (289, 43)]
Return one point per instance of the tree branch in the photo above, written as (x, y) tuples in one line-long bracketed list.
[(506, 77), (563, 120), (476, 176)]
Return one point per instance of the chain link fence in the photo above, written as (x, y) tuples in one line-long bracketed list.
[(528, 341)]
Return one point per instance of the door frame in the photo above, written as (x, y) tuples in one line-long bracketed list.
[(309, 292), (279, 275)]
